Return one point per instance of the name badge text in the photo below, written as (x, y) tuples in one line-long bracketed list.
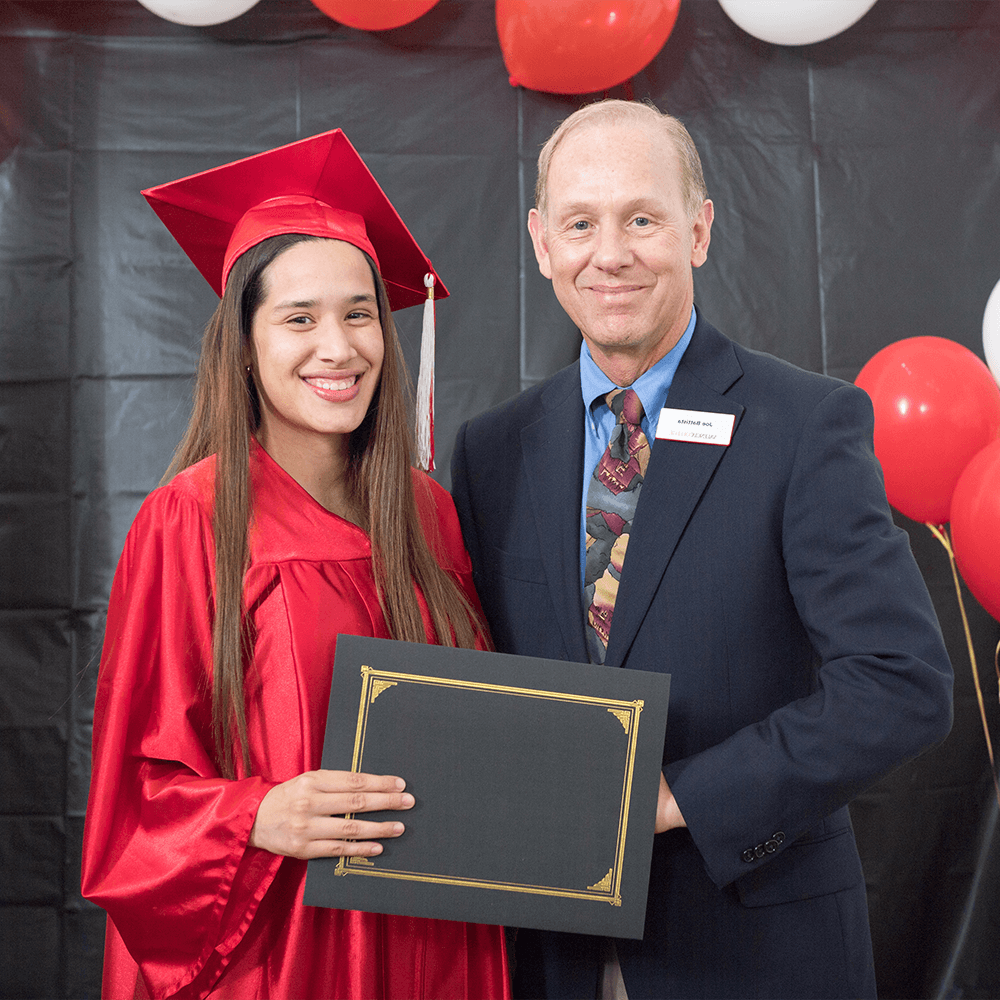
[(695, 426)]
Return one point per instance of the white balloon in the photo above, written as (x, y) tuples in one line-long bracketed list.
[(198, 12), (991, 331), (795, 22)]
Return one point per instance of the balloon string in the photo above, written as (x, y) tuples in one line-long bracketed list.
[(996, 667), (940, 532)]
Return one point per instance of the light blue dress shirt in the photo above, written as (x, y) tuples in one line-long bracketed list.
[(652, 388)]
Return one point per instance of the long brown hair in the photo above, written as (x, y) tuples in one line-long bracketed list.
[(226, 413)]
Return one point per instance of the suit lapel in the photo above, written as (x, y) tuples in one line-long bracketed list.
[(552, 455), (678, 475)]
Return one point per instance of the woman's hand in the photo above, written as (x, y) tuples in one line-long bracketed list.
[(304, 817)]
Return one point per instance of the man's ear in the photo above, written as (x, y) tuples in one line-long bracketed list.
[(701, 233), (536, 226)]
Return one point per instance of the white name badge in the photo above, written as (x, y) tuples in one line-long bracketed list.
[(695, 426)]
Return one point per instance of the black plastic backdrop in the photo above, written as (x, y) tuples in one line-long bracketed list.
[(857, 192)]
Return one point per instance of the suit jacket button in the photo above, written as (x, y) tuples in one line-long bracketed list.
[(758, 851), (778, 838), (748, 855), (771, 846)]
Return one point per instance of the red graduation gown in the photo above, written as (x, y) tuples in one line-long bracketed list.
[(193, 909)]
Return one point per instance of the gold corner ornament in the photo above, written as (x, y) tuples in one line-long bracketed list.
[(343, 862), (625, 715), (605, 884), (378, 686), (625, 718)]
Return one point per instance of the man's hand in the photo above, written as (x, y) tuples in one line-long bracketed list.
[(668, 815), (303, 817)]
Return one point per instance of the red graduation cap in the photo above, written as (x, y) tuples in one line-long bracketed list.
[(318, 186)]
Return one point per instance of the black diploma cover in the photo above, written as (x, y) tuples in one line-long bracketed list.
[(535, 784)]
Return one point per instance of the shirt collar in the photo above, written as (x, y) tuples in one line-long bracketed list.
[(652, 386)]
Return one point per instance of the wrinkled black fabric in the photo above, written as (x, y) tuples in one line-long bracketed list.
[(857, 193)]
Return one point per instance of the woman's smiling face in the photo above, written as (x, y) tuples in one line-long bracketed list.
[(317, 343)]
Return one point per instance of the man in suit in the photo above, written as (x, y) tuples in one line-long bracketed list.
[(762, 571)]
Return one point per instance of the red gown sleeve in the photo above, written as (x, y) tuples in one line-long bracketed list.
[(166, 849)]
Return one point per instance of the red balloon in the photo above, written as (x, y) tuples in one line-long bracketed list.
[(579, 46), (374, 15), (936, 405), (975, 527)]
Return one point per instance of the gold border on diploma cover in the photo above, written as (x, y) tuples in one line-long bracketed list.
[(607, 888)]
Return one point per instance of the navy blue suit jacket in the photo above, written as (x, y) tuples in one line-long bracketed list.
[(768, 579)]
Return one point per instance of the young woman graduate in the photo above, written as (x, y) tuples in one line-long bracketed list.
[(290, 514)]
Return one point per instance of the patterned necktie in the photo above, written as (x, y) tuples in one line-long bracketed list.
[(611, 500)]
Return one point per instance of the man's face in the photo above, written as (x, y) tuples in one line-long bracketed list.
[(619, 244)]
